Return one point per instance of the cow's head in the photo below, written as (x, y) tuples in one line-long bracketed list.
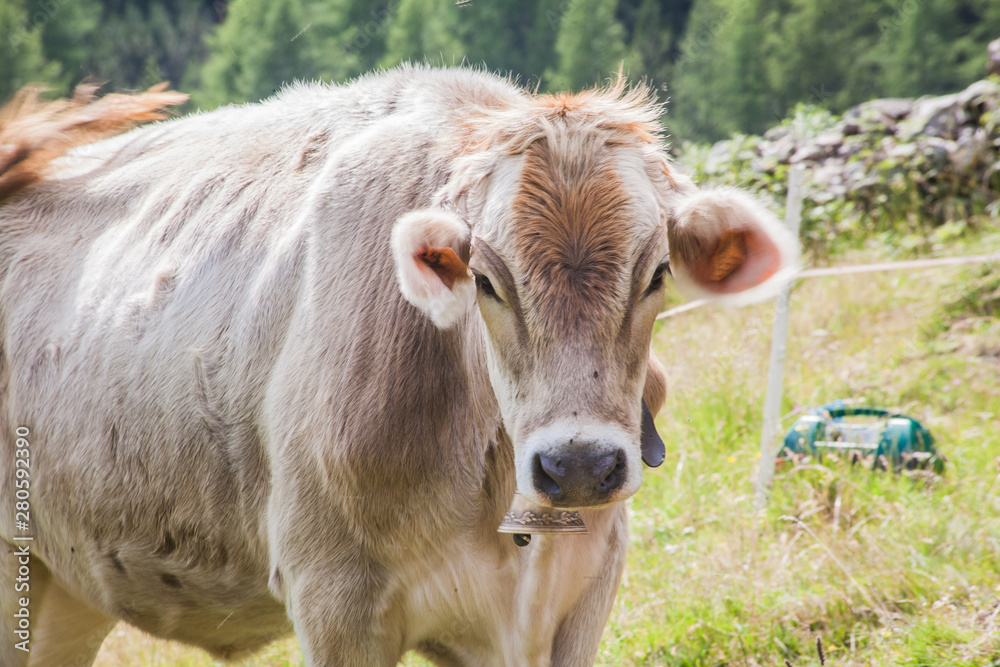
[(561, 242)]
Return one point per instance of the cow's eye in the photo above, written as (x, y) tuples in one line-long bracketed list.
[(485, 287), (657, 281)]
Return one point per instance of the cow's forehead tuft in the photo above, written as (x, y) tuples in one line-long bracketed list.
[(625, 114), (571, 232)]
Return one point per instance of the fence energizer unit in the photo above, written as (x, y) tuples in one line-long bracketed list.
[(890, 439)]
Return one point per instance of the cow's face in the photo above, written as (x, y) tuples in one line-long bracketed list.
[(567, 265)]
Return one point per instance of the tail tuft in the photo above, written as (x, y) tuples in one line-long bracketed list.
[(33, 133)]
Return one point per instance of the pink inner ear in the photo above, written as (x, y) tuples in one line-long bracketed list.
[(445, 263), (741, 260), (729, 255)]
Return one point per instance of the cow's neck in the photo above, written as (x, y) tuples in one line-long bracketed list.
[(489, 439)]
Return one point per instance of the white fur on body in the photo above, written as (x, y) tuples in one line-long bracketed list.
[(203, 332), (240, 426)]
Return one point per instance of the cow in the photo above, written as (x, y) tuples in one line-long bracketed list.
[(284, 367)]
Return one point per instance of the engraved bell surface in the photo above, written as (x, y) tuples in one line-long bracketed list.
[(527, 518)]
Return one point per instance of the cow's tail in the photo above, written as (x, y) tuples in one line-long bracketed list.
[(34, 132)]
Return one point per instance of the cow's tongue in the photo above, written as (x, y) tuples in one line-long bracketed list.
[(526, 518)]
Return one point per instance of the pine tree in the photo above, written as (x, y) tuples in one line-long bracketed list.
[(745, 64), (265, 43), (67, 35), (719, 79), (125, 43), (654, 30), (828, 53), (541, 38), (506, 37), (589, 46), (936, 46), (21, 49), (368, 22), (652, 41), (424, 31)]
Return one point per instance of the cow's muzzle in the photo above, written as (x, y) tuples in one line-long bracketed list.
[(579, 467), (579, 479)]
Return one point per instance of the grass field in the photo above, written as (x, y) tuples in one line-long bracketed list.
[(886, 569)]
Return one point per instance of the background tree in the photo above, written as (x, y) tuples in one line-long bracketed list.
[(141, 42), (654, 30), (21, 49), (589, 46), (265, 43), (725, 65), (936, 46), (67, 30), (367, 30), (721, 82), (827, 54), (515, 37), (424, 31)]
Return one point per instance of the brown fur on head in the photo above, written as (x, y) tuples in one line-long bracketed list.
[(624, 113), (33, 133), (572, 235)]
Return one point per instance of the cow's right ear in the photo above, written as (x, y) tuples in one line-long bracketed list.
[(431, 249), (726, 246)]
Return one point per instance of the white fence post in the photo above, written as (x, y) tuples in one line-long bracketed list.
[(779, 346)]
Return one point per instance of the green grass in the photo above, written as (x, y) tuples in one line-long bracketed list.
[(886, 569)]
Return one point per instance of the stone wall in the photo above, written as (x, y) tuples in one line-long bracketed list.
[(923, 162)]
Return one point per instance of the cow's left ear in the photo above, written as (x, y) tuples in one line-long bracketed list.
[(431, 249), (726, 246), (654, 392)]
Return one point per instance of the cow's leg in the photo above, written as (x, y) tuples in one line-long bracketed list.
[(343, 618), (65, 632), (579, 635), (338, 598)]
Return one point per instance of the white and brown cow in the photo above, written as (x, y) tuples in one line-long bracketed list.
[(281, 367)]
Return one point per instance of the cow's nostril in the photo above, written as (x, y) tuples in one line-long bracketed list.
[(604, 465), (587, 479), (546, 472), (610, 472)]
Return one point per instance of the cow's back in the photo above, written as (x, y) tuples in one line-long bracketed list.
[(160, 287)]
